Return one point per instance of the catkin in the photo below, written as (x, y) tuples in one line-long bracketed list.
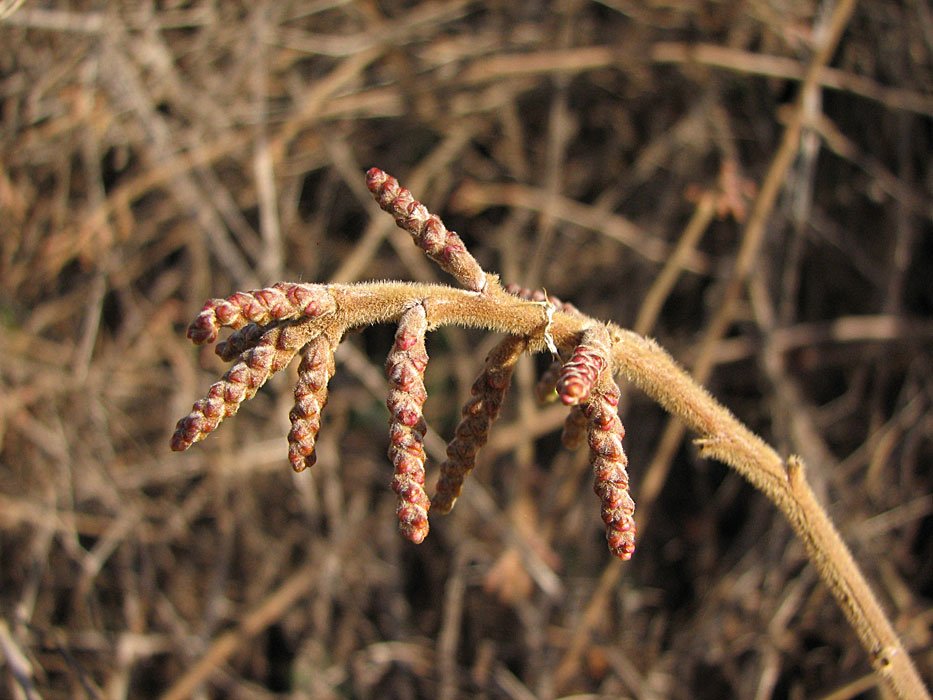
[(281, 301), (270, 325), (405, 368), (479, 412), (580, 373), (240, 341), (574, 433), (272, 353), (429, 233), (604, 434), (314, 372)]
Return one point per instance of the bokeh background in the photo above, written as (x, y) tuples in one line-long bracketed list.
[(156, 154)]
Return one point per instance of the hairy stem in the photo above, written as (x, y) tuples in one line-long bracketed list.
[(726, 439)]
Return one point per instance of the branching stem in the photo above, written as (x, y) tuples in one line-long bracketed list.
[(365, 303), (273, 324)]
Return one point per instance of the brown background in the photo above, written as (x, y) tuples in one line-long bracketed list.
[(153, 155)]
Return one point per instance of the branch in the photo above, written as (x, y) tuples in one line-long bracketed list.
[(273, 325), (725, 438)]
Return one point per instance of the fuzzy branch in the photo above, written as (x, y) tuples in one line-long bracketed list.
[(273, 325), (725, 438)]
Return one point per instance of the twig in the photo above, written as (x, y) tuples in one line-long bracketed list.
[(289, 315), (588, 58), (18, 663), (271, 609), (724, 438), (611, 225)]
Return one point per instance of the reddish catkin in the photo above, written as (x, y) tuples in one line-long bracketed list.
[(574, 433), (429, 233), (405, 368), (314, 372), (240, 341), (478, 414), (281, 301), (580, 373), (604, 434), (272, 353)]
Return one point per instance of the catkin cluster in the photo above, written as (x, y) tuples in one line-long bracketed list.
[(271, 326)]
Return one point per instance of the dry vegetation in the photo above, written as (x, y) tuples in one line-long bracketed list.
[(155, 156)]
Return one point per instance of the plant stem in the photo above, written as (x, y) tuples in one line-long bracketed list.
[(725, 438)]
